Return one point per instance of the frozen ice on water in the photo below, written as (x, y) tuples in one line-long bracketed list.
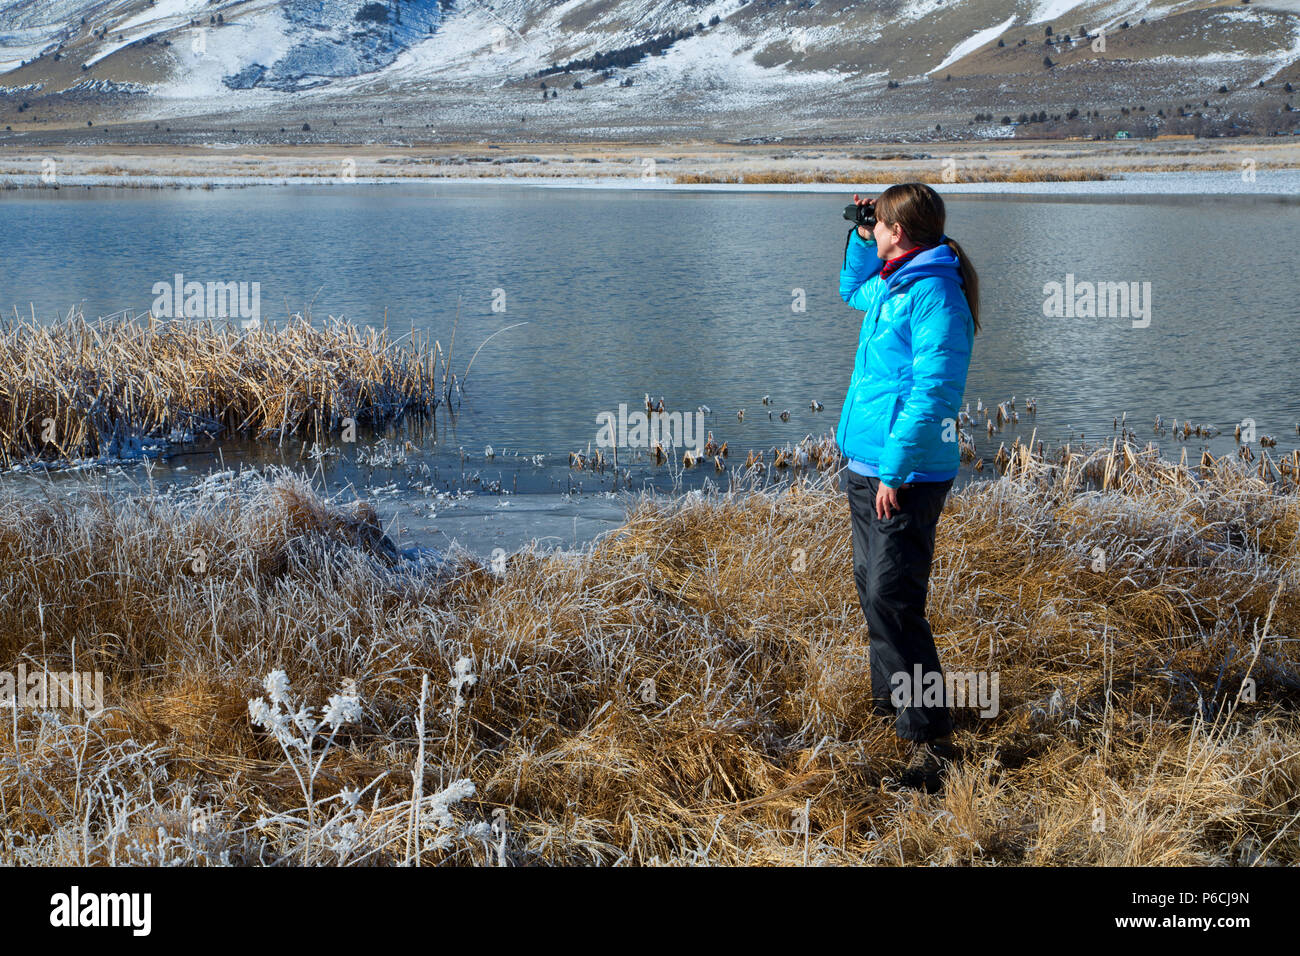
[(424, 556)]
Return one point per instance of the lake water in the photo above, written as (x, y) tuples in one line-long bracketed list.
[(686, 295)]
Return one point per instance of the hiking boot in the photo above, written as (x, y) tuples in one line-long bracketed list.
[(928, 764)]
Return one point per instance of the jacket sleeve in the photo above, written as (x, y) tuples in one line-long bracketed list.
[(861, 264), (941, 353)]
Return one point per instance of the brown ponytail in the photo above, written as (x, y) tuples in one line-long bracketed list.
[(970, 282), (920, 211)]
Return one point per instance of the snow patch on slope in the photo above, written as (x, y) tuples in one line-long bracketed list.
[(1049, 10), (16, 48), (166, 14), (911, 12), (474, 47), (470, 47), (1285, 57), (163, 16), (263, 38), (974, 43), (720, 60)]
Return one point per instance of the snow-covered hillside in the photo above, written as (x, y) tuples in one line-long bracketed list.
[(643, 57)]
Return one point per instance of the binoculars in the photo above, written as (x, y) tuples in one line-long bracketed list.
[(862, 215)]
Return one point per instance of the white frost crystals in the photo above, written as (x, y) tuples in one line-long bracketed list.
[(341, 829), (462, 677), (342, 710)]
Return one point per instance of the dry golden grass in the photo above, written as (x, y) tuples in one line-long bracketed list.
[(76, 388), (686, 690)]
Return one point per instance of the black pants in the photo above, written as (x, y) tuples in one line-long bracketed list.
[(891, 567)]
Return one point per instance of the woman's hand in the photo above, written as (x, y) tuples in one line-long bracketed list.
[(864, 232), (887, 499)]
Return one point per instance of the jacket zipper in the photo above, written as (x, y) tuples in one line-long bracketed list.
[(874, 322)]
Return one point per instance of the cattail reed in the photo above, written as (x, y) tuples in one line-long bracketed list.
[(77, 389)]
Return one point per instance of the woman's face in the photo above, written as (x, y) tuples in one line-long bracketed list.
[(890, 240)]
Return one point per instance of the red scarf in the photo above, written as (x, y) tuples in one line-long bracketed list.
[(893, 265)]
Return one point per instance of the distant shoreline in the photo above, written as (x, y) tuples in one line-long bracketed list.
[(1265, 167), (1190, 188), (1281, 185)]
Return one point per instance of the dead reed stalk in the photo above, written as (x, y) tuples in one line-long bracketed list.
[(77, 388)]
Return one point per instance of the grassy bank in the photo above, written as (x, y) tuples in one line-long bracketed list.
[(75, 389), (691, 689), (1015, 161), (981, 174)]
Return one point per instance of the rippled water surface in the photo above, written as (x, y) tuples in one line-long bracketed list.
[(689, 296)]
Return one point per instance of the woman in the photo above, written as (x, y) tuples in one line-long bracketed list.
[(898, 431)]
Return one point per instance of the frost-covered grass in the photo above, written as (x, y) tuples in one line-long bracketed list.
[(76, 389), (1097, 168), (968, 174), (689, 690)]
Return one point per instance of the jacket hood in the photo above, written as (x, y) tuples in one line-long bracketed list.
[(940, 261)]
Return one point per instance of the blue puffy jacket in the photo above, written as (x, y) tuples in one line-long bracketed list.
[(900, 414)]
